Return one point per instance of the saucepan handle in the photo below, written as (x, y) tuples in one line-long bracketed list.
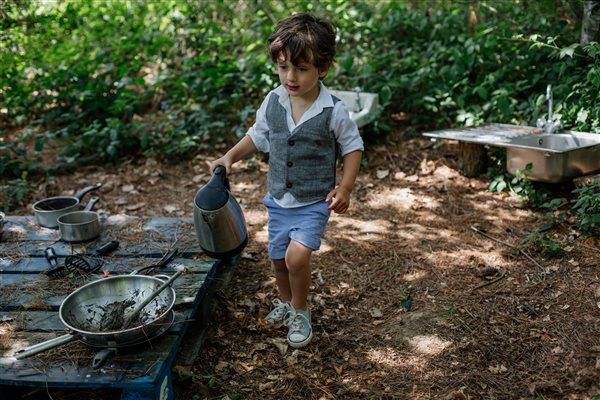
[(47, 345), (86, 190), (101, 357)]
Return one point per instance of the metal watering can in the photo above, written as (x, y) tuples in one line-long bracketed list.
[(218, 218)]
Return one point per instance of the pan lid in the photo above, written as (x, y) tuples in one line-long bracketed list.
[(215, 194)]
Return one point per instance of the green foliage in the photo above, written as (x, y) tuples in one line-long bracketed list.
[(13, 191), (587, 207), (520, 185), (93, 80)]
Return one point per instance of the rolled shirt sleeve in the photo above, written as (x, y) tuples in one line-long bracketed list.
[(259, 132), (345, 130)]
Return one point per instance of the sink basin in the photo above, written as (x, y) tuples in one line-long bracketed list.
[(555, 157), (361, 105)]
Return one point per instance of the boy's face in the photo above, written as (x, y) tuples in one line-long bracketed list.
[(300, 80)]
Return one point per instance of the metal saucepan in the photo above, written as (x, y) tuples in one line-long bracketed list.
[(48, 210), (88, 309), (80, 226)]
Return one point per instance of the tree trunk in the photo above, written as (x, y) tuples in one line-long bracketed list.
[(590, 25), (472, 159)]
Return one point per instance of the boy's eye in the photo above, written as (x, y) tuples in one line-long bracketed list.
[(283, 67)]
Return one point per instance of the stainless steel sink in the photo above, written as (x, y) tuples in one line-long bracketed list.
[(555, 157), (555, 142)]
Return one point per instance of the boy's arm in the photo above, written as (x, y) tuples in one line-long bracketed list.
[(243, 149), (341, 194)]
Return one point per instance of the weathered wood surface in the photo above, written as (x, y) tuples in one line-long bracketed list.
[(29, 303), (150, 237)]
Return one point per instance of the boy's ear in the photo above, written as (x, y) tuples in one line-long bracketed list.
[(323, 72)]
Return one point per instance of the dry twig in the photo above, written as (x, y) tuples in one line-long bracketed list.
[(509, 245)]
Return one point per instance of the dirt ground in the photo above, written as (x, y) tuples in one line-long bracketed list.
[(419, 291)]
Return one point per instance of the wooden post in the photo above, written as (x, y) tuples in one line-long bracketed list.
[(472, 159)]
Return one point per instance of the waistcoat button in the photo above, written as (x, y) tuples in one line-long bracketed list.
[(289, 185), (289, 163), (291, 142)]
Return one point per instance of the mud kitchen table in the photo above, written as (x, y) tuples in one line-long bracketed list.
[(30, 300)]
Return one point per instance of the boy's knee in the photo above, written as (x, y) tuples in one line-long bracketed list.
[(297, 257), (279, 265)]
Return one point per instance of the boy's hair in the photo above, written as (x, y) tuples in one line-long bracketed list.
[(305, 37)]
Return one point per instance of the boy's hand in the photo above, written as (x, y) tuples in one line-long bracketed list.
[(224, 161), (341, 200)]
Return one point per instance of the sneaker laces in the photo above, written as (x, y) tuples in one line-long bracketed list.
[(294, 320), (280, 309)]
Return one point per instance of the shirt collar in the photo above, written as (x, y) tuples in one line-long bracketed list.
[(324, 100)]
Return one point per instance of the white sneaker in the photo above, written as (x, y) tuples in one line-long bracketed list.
[(300, 329), (275, 317)]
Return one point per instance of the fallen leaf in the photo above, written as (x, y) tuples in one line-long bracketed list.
[(135, 207), (198, 178), (245, 367), (170, 209), (127, 188), (375, 313), (382, 173), (497, 369), (221, 365), (338, 369), (280, 344)]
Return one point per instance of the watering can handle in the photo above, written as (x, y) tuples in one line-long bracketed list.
[(221, 171)]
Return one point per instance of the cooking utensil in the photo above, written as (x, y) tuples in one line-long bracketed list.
[(55, 270), (89, 265), (80, 226), (138, 308), (106, 352), (218, 218), (86, 310), (48, 210), (167, 258)]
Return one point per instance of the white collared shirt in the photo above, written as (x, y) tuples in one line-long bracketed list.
[(343, 128)]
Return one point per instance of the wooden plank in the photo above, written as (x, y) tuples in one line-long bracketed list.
[(115, 265), (138, 236), (70, 366)]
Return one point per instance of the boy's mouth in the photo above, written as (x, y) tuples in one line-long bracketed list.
[(293, 88)]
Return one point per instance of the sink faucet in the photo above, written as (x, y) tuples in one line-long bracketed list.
[(550, 124)]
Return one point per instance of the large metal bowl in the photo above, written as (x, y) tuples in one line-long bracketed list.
[(85, 310)]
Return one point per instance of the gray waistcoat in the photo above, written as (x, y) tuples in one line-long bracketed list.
[(302, 163)]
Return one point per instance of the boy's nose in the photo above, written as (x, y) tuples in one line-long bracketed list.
[(291, 76)]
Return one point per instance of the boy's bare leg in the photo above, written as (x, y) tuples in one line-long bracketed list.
[(282, 279), (297, 260)]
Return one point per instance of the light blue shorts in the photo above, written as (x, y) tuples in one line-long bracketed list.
[(303, 224)]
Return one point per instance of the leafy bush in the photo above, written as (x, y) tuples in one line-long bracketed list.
[(587, 206), (105, 80)]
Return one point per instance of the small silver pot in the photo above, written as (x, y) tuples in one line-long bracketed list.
[(80, 226)]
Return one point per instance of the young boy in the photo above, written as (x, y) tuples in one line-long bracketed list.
[(302, 127)]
